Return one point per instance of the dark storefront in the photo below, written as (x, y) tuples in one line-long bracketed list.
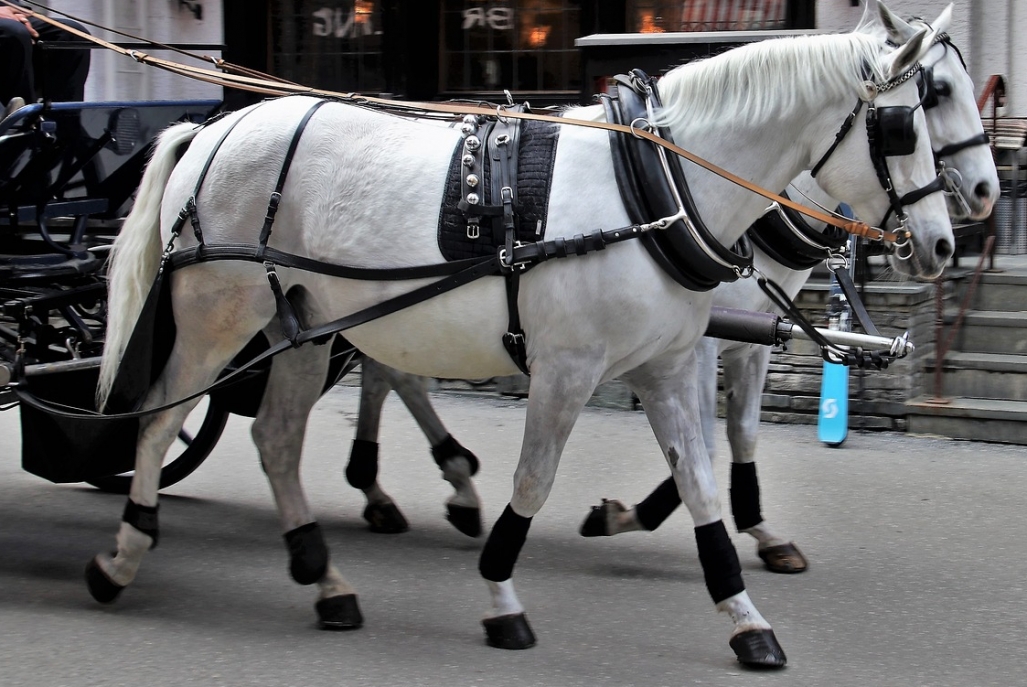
[(440, 49)]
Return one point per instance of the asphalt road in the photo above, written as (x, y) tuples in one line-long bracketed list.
[(916, 548)]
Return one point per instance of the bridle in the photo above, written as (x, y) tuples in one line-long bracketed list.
[(930, 94), (890, 133)]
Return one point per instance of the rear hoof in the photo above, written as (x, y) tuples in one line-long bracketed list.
[(509, 632), (786, 559), (758, 649), (597, 523), (101, 587), (465, 519), (385, 519), (339, 613)]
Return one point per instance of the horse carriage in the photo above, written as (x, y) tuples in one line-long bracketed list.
[(590, 274)]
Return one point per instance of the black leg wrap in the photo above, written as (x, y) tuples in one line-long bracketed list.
[(719, 561), (143, 518), (100, 586), (449, 448), (503, 546), (745, 496), (658, 506), (308, 555), (362, 469), (339, 613)]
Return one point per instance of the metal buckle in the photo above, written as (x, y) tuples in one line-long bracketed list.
[(510, 266)]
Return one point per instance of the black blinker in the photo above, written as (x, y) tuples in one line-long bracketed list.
[(896, 133)]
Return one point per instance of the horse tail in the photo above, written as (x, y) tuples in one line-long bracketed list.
[(136, 254)]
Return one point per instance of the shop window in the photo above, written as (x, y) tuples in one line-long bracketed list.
[(659, 16), (329, 44), (517, 45)]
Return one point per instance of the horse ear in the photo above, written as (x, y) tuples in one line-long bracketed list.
[(906, 56), (944, 20), (899, 31)]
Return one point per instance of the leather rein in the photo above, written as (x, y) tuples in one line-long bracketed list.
[(268, 85)]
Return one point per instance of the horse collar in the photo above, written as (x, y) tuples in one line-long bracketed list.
[(652, 186)]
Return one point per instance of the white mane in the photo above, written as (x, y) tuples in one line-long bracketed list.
[(750, 82)]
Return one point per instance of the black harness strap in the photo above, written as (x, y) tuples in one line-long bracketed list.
[(276, 195), (838, 138)]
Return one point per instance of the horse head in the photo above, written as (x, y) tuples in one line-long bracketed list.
[(889, 147), (960, 142)]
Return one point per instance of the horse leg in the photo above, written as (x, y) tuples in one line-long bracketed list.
[(612, 516), (293, 386), (672, 405), (745, 372), (381, 512), (458, 464), (205, 342), (554, 403)]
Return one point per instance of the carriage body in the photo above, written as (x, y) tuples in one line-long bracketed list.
[(68, 174)]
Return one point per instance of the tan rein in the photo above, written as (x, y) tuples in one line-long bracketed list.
[(272, 86)]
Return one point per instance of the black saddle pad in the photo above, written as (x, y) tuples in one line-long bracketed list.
[(535, 155)]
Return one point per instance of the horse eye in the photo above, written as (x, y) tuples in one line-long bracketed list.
[(943, 88)]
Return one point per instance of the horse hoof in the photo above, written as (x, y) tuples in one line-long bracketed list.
[(597, 523), (509, 632), (759, 649), (786, 559), (385, 519), (465, 519), (339, 613), (101, 587)]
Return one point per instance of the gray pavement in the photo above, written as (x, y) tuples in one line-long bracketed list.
[(916, 549)]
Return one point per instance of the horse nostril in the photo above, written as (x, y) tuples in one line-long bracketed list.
[(943, 250), (983, 190)]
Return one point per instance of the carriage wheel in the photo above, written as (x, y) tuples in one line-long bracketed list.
[(194, 447)]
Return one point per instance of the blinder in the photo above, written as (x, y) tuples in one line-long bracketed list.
[(896, 130)]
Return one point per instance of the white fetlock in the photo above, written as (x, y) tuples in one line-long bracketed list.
[(132, 546), (619, 518), (504, 599), (334, 584), (764, 537), (743, 613), (376, 496), (457, 471)]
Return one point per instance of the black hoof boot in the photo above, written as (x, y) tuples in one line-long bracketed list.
[(465, 519), (385, 519), (100, 586), (758, 649), (509, 632), (339, 613)]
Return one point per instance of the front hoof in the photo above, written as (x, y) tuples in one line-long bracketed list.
[(758, 649), (101, 587), (597, 523), (509, 632), (786, 559), (385, 519), (339, 613), (465, 519)]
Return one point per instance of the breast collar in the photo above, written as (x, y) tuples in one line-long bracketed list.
[(652, 186)]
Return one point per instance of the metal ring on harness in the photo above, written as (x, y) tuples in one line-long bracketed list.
[(648, 126), (903, 241)]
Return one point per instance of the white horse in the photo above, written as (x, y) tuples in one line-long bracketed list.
[(364, 191), (960, 144), (957, 134)]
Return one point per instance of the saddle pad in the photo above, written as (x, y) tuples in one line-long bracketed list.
[(535, 155)]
